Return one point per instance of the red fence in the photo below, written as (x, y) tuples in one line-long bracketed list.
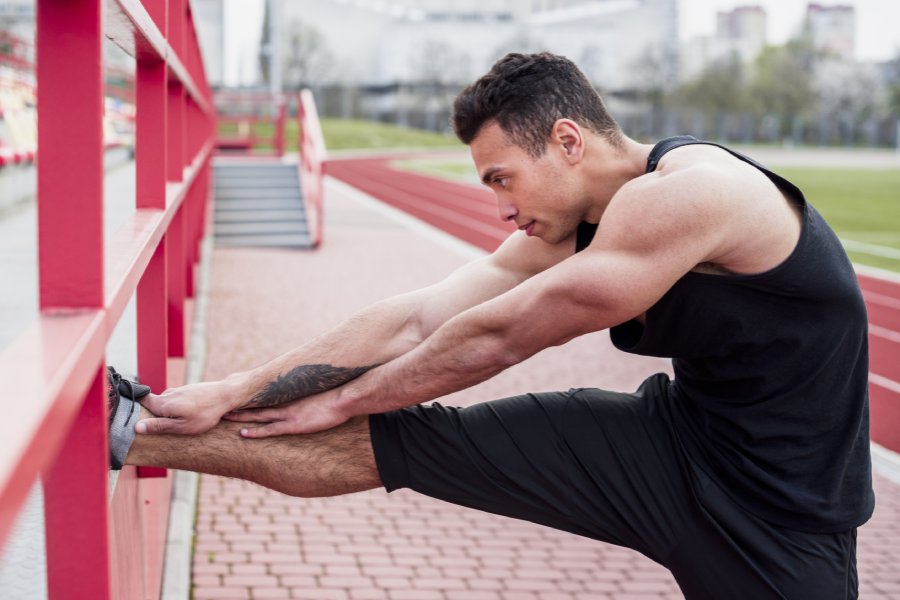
[(251, 121), (312, 160), (53, 375)]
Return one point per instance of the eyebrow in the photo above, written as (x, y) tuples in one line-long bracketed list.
[(489, 174)]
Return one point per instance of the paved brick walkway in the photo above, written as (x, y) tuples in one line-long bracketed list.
[(253, 543)]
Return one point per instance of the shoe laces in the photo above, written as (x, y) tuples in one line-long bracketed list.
[(116, 379)]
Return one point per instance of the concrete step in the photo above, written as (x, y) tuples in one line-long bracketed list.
[(249, 194), (257, 204), (248, 216), (293, 240), (266, 228), (227, 182)]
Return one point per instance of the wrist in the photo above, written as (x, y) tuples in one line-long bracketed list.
[(345, 402), (237, 389)]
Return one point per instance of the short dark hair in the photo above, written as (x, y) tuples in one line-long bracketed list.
[(526, 94)]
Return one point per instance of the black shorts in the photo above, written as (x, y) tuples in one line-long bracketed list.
[(608, 466)]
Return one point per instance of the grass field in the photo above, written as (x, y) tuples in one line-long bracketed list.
[(352, 134), (861, 205)]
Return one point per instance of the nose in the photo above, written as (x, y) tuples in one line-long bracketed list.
[(507, 212)]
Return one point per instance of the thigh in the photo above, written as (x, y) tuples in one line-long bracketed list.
[(730, 553), (596, 463)]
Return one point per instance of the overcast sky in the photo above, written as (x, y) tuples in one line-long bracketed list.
[(877, 30)]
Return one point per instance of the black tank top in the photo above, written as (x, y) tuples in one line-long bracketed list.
[(770, 395)]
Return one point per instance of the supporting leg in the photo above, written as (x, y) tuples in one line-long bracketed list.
[(329, 463)]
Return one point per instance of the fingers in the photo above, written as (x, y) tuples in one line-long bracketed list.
[(254, 416), (269, 430), (159, 425), (153, 403)]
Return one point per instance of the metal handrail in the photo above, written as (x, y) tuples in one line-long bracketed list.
[(53, 375), (313, 155)]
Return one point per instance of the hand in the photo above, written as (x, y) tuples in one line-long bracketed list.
[(191, 409), (307, 415)]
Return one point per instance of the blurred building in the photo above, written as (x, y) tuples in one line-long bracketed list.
[(832, 28), (404, 60), (740, 35), (209, 18)]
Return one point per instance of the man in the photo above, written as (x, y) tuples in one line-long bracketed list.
[(746, 476)]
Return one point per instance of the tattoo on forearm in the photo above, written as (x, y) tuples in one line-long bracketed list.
[(303, 381)]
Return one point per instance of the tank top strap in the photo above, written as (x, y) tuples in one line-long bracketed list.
[(668, 144), (665, 145)]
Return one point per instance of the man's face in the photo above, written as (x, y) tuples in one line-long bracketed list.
[(540, 195)]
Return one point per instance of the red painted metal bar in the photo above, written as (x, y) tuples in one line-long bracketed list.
[(312, 159), (70, 241), (58, 363), (279, 128), (150, 154)]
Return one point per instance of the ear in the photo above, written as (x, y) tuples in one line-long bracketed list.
[(568, 137)]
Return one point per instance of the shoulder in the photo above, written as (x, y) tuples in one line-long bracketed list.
[(708, 202), (692, 202)]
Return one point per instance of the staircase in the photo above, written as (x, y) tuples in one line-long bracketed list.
[(259, 205)]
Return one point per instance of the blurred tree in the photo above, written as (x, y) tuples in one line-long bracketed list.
[(522, 41), (783, 86), (719, 91), (651, 76), (848, 94), (893, 79), (308, 60), (438, 71)]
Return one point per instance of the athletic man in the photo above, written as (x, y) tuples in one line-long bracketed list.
[(747, 475)]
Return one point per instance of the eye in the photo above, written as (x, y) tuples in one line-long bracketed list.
[(502, 181)]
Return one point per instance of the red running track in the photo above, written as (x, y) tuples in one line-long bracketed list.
[(470, 213)]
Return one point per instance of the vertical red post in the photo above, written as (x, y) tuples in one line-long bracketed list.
[(76, 506), (279, 128), (150, 155), (70, 162), (152, 293), (175, 172), (70, 240)]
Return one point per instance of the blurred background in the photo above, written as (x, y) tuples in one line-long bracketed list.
[(768, 71), (771, 71), (768, 76)]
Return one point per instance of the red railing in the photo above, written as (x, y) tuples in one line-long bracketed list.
[(53, 375), (251, 122), (311, 146)]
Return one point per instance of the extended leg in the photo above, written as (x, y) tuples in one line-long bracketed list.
[(329, 463)]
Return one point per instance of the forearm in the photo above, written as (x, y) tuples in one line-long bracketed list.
[(371, 337), (467, 350)]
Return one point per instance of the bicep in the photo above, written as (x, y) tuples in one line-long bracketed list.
[(632, 263)]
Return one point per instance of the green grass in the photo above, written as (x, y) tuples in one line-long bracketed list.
[(862, 205), (461, 169), (354, 134), (342, 134)]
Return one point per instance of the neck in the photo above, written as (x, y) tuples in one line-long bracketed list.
[(611, 168)]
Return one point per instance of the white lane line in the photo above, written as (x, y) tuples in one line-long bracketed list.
[(884, 332), (888, 384), (876, 273), (881, 299), (871, 249), (886, 462)]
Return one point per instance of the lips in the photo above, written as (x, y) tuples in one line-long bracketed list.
[(528, 228)]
